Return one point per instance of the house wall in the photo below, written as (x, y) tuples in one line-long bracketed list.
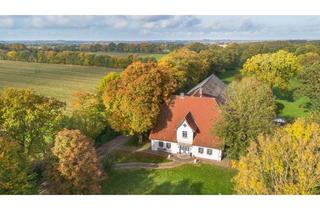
[(155, 146), (216, 153), (187, 128)]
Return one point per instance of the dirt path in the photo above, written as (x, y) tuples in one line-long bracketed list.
[(106, 148)]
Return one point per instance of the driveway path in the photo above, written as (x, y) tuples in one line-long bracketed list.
[(106, 148)]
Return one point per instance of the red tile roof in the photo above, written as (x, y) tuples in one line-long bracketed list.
[(204, 112)]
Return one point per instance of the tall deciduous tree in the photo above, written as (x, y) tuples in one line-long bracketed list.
[(287, 163), (88, 114), (133, 101), (29, 119), (310, 85), (16, 176), (275, 69), (249, 110), (186, 66), (73, 167)]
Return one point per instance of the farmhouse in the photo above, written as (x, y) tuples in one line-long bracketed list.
[(186, 121)]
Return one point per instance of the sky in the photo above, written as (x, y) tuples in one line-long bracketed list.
[(160, 27)]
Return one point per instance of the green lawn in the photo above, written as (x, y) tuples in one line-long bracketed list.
[(56, 80), (186, 179), (123, 156), (291, 107)]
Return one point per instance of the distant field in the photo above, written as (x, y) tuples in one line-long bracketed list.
[(56, 80)]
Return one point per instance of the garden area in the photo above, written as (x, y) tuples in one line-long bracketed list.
[(202, 179)]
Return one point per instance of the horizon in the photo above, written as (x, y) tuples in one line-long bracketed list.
[(158, 28)]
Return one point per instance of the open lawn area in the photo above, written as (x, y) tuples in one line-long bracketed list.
[(186, 179), (123, 156), (291, 107), (56, 80)]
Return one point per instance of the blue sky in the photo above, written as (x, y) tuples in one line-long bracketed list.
[(158, 27)]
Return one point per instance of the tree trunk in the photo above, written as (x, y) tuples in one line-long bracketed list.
[(140, 138)]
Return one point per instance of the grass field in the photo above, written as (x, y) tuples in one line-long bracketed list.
[(123, 156), (291, 107), (56, 80), (186, 179)]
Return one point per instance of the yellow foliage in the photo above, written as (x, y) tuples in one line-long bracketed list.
[(286, 163)]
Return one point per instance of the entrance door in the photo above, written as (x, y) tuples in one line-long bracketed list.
[(184, 149)]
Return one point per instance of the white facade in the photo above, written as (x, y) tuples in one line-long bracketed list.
[(174, 148), (184, 127)]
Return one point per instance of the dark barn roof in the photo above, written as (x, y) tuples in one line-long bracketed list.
[(210, 87)]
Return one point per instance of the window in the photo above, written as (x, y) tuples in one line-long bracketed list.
[(184, 134), (209, 151), (184, 125), (168, 145), (160, 144), (200, 150)]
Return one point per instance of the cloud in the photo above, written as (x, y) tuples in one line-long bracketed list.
[(6, 22)]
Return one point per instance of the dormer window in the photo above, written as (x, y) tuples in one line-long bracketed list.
[(184, 134)]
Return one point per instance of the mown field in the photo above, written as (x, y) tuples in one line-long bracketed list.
[(56, 80), (184, 180)]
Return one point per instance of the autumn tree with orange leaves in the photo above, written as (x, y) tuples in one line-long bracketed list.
[(73, 166), (133, 100)]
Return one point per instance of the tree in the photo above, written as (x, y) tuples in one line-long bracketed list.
[(286, 163), (73, 166), (218, 59), (308, 59), (29, 119), (275, 69), (310, 85), (133, 101), (88, 114), (112, 75), (186, 66), (249, 110), (16, 176)]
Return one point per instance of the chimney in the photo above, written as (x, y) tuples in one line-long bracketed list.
[(181, 95)]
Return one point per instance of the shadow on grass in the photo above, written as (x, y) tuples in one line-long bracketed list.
[(288, 95), (183, 187)]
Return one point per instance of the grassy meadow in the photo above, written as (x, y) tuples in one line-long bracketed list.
[(188, 179), (56, 80)]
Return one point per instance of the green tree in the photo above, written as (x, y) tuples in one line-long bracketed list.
[(186, 66), (249, 110), (308, 59), (88, 114), (73, 167), (275, 69), (133, 101), (16, 176), (29, 119), (310, 85), (286, 163), (112, 75)]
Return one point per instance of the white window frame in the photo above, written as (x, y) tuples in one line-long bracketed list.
[(168, 145), (200, 150), (209, 151)]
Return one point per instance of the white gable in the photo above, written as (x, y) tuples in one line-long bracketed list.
[(182, 130)]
